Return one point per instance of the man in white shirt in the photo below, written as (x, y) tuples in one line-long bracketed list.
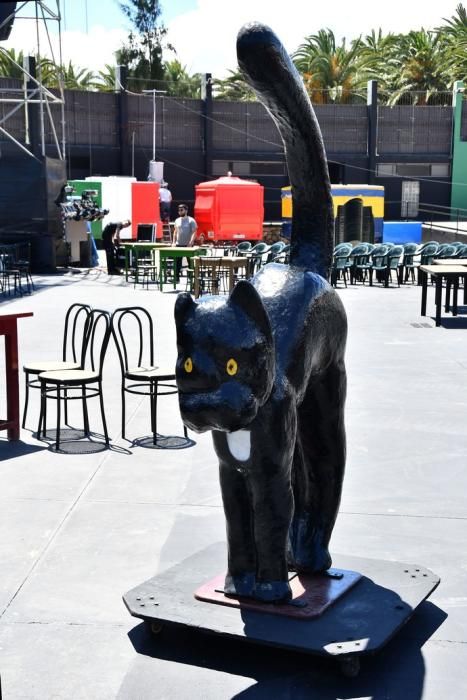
[(165, 199)]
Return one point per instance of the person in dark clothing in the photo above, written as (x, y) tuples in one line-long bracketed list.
[(111, 241)]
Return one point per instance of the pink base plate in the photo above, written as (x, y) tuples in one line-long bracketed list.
[(313, 593)]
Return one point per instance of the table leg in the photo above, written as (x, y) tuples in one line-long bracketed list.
[(438, 298), (465, 290), (448, 295), (162, 271), (127, 259), (423, 277), (196, 278), (175, 269), (12, 387), (455, 289)]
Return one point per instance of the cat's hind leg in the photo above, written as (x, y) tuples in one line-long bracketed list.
[(318, 471)]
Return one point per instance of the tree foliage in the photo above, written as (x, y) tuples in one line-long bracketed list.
[(233, 87), (142, 52), (418, 67), (179, 82), (331, 72)]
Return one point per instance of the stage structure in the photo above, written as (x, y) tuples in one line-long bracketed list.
[(32, 175), (33, 91)]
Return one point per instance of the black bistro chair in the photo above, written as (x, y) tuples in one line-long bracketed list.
[(10, 274), (79, 384), (73, 344), (133, 332)]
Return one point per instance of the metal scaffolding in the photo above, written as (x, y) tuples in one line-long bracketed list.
[(33, 91)]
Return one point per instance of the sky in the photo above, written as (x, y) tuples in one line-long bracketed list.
[(203, 31)]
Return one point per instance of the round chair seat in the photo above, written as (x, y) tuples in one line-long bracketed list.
[(148, 373), (39, 367), (71, 376)]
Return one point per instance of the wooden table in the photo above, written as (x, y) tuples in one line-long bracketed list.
[(8, 328), (130, 247), (228, 262), (452, 274), (174, 252)]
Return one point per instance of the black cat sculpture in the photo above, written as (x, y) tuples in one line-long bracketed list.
[(264, 368)]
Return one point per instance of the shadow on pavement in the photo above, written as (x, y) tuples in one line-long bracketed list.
[(164, 442), (17, 448), (398, 671)]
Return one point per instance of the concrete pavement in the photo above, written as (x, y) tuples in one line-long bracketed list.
[(77, 531)]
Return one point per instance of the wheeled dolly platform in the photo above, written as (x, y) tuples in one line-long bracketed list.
[(352, 612)]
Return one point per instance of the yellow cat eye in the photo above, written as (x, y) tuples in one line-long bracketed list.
[(188, 365), (231, 367)]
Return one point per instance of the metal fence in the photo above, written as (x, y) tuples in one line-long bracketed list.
[(414, 129), (92, 119)]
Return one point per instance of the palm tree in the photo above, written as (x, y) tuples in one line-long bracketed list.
[(331, 73), (420, 65), (106, 80), (75, 78), (233, 87), (179, 82), (378, 54), (453, 34), (8, 59)]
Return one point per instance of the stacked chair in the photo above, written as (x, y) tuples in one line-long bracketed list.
[(256, 257), (408, 262), (361, 263), (340, 267)]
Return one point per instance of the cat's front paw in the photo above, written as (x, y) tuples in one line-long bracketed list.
[(273, 591), (242, 586)]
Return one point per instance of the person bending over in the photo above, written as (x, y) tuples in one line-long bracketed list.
[(111, 241)]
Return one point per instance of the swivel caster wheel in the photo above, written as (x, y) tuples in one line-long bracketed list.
[(154, 627), (349, 666)]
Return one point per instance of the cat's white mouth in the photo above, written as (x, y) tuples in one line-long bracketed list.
[(239, 443)]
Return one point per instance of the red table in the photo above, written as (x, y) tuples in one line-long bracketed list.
[(8, 328)]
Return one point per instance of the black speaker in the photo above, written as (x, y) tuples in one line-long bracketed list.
[(7, 8)]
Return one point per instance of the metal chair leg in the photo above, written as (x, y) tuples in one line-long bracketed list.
[(154, 412), (123, 411), (41, 412), (101, 401), (85, 412), (57, 434), (65, 405), (26, 400)]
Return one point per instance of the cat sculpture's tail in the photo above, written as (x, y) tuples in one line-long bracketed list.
[(272, 75)]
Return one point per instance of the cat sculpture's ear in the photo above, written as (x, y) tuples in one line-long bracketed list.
[(245, 296), (183, 307)]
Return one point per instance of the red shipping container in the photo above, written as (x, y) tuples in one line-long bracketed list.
[(229, 209), (145, 208)]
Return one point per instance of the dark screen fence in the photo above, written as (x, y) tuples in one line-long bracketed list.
[(93, 119), (414, 129)]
